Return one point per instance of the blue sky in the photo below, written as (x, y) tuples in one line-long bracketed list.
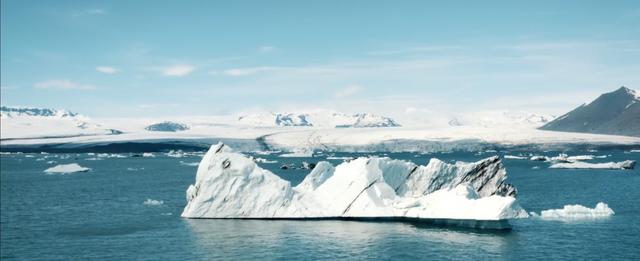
[(151, 58)]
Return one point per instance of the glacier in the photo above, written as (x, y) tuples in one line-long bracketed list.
[(231, 185)]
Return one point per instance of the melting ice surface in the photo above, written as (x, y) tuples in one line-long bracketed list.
[(231, 185)]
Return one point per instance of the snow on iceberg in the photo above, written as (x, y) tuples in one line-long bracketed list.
[(576, 212), (231, 185), (627, 164), (66, 169)]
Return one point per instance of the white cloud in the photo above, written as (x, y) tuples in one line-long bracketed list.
[(266, 49), (178, 70), (348, 91), (248, 71), (62, 85), (107, 69)]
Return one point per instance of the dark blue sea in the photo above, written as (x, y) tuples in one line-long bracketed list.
[(101, 214)]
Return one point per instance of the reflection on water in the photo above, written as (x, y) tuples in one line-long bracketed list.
[(337, 239)]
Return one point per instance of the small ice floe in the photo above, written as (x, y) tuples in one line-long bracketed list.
[(514, 157), (263, 160), (535, 167), (192, 164), (135, 169), (110, 155), (175, 154), (575, 212), (635, 151), (627, 164), (153, 202), (345, 158), (166, 214), (29, 156), (566, 158), (66, 169), (265, 152), (148, 155), (298, 154), (52, 162)]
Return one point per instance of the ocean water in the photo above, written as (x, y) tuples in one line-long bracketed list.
[(102, 214)]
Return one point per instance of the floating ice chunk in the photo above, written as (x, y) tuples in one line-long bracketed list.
[(192, 164), (265, 152), (153, 202), (298, 154), (263, 160), (576, 212), (231, 185), (340, 158), (148, 155), (514, 157), (627, 164), (66, 169), (110, 155)]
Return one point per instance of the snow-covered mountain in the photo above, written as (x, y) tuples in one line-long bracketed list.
[(617, 113), (323, 119), (29, 122), (501, 118)]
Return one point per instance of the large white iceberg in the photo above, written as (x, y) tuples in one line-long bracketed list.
[(230, 185)]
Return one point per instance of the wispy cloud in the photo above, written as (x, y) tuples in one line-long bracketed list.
[(89, 12), (178, 70), (107, 69), (418, 49), (348, 91), (248, 70), (62, 85), (266, 49)]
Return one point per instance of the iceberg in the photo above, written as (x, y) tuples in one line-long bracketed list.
[(576, 212), (627, 164), (66, 169), (153, 202), (231, 185)]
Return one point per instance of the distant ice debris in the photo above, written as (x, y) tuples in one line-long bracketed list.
[(167, 126), (193, 164), (627, 164), (298, 154), (66, 169), (266, 152), (575, 212), (148, 155), (153, 202), (514, 157), (231, 185), (110, 155), (340, 158), (263, 160)]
